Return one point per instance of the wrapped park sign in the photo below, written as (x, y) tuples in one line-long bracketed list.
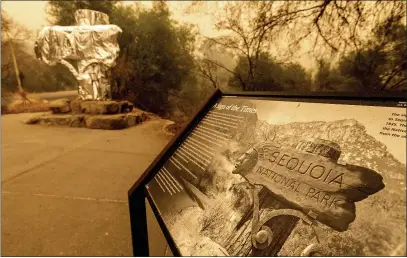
[(89, 50)]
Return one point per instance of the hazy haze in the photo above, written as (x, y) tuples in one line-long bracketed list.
[(32, 15)]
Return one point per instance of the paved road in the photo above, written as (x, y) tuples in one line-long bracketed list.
[(64, 190), (53, 95)]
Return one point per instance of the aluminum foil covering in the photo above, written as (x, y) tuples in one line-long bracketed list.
[(89, 51)]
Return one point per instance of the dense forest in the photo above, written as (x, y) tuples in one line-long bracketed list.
[(168, 67)]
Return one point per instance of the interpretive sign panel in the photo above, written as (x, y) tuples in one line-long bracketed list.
[(252, 169)]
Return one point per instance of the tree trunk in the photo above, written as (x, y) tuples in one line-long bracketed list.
[(239, 242), (13, 55)]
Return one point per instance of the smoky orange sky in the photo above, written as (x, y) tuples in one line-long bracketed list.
[(32, 14)]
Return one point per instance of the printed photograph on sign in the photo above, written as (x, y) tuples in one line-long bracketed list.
[(279, 178)]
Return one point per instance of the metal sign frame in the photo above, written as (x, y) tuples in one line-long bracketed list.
[(138, 194)]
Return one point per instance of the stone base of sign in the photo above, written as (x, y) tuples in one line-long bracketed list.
[(105, 122), (107, 115), (92, 107)]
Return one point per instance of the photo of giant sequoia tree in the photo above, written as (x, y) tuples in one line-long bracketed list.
[(261, 178)]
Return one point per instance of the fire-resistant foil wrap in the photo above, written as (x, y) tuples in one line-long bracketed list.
[(89, 51)]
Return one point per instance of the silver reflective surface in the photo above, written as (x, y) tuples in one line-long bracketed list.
[(89, 50)]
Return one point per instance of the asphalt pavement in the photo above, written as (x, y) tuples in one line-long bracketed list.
[(64, 190), (53, 95)]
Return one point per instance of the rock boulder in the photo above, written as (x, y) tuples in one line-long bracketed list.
[(77, 121), (76, 106), (111, 122), (60, 106), (100, 107), (126, 106), (59, 120)]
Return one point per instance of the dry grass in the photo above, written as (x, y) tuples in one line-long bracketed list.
[(20, 107)]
